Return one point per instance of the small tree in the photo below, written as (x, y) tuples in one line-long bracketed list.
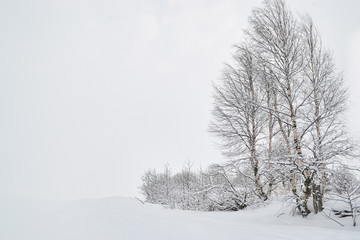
[(346, 188)]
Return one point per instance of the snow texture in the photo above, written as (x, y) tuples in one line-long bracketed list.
[(127, 218)]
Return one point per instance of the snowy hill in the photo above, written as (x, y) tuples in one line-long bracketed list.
[(126, 218)]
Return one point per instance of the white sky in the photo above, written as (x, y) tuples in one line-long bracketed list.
[(93, 93)]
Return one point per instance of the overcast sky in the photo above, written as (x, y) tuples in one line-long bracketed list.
[(93, 93)]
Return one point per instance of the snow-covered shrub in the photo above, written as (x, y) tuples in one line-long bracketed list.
[(217, 189)]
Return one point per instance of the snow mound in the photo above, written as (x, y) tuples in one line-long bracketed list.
[(127, 218)]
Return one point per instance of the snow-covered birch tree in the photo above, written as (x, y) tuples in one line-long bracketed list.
[(238, 120), (301, 101)]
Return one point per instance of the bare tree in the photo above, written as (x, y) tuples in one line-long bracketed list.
[(238, 124), (278, 115), (324, 133), (302, 99), (275, 33)]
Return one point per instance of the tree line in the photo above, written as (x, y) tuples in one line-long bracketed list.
[(278, 119)]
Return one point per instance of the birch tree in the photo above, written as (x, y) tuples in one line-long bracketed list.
[(238, 124), (301, 101), (275, 32), (325, 134)]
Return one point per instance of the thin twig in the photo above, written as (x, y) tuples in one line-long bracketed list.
[(139, 200), (332, 219)]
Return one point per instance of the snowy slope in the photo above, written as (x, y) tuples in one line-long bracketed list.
[(126, 218)]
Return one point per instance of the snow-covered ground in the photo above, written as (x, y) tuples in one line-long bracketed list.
[(126, 218)]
